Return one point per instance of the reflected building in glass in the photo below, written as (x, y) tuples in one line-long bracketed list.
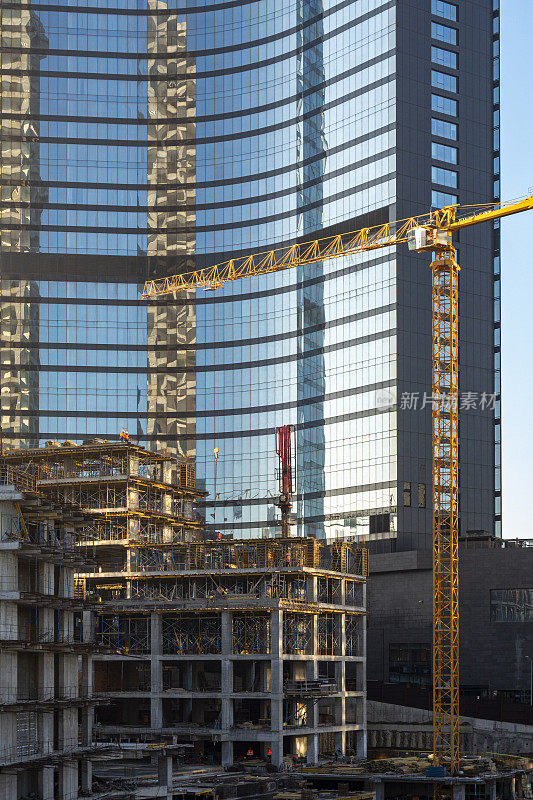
[(146, 137)]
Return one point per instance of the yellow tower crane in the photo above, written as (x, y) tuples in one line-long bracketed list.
[(431, 233)]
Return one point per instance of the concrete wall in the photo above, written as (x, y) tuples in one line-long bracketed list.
[(492, 654), (404, 728)]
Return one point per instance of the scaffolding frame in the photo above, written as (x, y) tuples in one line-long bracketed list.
[(128, 633), (297, 634), (328, 635), (352, 634), (251, 633), (190, 634)]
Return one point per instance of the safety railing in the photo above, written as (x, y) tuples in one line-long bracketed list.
[(320, 686), (30, 634), (40, 694), (19, 478)]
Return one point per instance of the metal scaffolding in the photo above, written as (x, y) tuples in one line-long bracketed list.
[(105, 530), (328, 638), (329, 590), (187, 634), (126, 633), (251, 633), (297, 634), (352, 635)]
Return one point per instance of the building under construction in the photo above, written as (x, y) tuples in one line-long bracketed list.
[(238, 647), (46, 698)]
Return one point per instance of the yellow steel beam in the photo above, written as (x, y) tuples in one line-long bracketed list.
[(361, 241), (490, 214)]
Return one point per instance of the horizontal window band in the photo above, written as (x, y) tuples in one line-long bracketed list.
[(190, 184), (199, 346), (302, 496), (191, 370), (136, 269), (196, 207), (192, 55), (200, 10), (247, 112), (225, 226), (209, 139), (230, 412), (246, 434), (273, 106)]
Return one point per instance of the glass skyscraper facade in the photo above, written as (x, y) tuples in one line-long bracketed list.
[(141, 138)]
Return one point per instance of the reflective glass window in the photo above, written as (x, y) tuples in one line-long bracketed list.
[(443, 33), (441, 80), (443, 152), (442, 9), (445, 177), (442, 199), (446, 58), (443, 105), (511, 605), (447, 130)]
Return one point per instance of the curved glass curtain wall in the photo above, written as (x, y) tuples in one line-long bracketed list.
[(164, 134)]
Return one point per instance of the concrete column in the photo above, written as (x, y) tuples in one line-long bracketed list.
[(88, 625), (379, 788), (340, 630), (312, 748), (68, 728), (458, 791), (66, 625), (188, 668), (312, 663), (156, 671), (46, 624), (45, 578), (87, 675), (312, 589), (227, 754), (8, 677), (164, 774), (45, 783), (227, 670), (45, 731), (276, 745), (343, 592), (86, 768), (362, 741), (45, 675), (8, 734), (67, 675), (312, 706), (340, 743), (68, 780), (8, 786), (340, 675), (66, 583)]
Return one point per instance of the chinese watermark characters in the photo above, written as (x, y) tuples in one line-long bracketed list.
[(466, 401)]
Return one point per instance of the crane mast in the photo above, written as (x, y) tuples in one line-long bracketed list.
[(432, 233), (445, 444)]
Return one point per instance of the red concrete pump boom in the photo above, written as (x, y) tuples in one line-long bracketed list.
[(284, 441)]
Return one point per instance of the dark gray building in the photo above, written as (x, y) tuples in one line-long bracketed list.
[(145, 137), (495, 612)]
